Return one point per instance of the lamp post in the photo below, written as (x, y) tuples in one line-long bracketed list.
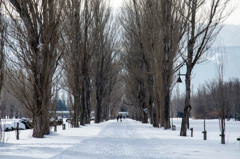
[(204, 125), (179, 80)]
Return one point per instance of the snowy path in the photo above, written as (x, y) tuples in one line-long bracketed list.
[(116, 140), (128, 139), (133, 140)]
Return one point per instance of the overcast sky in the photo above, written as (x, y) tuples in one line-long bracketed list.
[(232, 19)]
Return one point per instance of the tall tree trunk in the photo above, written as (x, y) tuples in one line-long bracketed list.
[(168, 56), (162, 114), (167, 84), (88, 98), (2, 55), (76, 106), (46, 105), (38, 100), (98, 114), (45, 117), (83, 117), (155, 114), (142, 103), (222, 127), (150, 105), (2, 61), (83, 104), (77, 89), (187, 107), (37, 123), (99, 91), (189, 65)]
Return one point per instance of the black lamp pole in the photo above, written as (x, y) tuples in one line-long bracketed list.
[(179, 80)]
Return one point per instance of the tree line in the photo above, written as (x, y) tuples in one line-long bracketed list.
[(70, 45), (204, 100), (208, 95), (160, 37), (103, 61)]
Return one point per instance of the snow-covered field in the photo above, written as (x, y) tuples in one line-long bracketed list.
[(128, 139)]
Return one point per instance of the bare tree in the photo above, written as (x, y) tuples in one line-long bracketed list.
[(202, 29), (138, 24), (72, 27), (221, 57), (85, 96), (2, 58), (173, 27), (2, 43), (77, 28), (103, 44), (206, 101), (111, 100), (33, 38), (153, 50), (89, 43)]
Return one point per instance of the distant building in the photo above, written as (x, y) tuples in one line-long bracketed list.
[(64, 114)]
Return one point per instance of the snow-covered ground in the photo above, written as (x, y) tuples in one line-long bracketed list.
[(128, 139)]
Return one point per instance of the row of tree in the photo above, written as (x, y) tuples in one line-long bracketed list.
[(160, 37), (205, 101), (75, 45), (70, 45)]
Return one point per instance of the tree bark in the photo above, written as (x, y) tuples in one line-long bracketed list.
[(167, 84), (77, 89), (98, 117), (37, 124), (2, 43)]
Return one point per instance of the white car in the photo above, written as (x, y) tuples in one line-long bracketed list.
[(13, 126)]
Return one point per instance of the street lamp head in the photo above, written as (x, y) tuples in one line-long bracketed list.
[(179, 80)]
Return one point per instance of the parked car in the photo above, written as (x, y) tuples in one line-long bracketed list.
[(28, 124), (13, 126), (69, 120), (7, 127)]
